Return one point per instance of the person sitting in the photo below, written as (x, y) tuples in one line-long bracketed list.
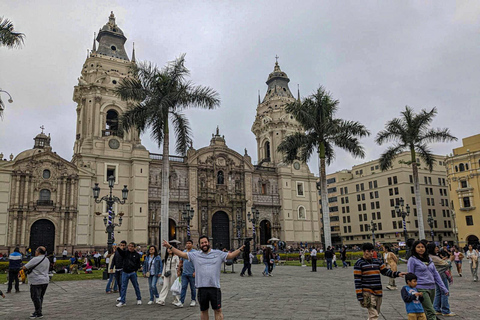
[(88, 267)]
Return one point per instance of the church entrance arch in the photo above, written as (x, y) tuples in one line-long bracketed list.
[(42, 233), (473, 240), (220, 231), (172, 231), (265, 231)]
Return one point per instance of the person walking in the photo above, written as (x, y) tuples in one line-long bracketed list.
[(334, 258), (14, 266), (188, 277), (247, 260), (472, 256), (329, 258), (368, 284), (169, 275), (111, 271), (422, 266), (37, 273), (343, 257), (267, 260), (440, 303), (131, 264), (412, 298), (458, 260), (152, 270), (117, 265), (64, 253), (391, 261), (313, 255), (208, 264)]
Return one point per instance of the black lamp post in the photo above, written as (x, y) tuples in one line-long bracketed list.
[(404, 215), (373, 226), (254, 218), (430, 223), (110, 199), (187, 215), (2, 105), (239, 225)]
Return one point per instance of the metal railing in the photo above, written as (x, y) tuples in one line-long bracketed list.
[(45, 203), (157, 156)]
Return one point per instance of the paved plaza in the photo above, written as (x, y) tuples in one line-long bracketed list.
[(292, 293)]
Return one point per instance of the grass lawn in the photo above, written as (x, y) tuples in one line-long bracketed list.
[(96, 274)]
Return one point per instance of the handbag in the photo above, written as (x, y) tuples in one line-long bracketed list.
[(28, 271), (150, 268), (449, 276), (169, 273)]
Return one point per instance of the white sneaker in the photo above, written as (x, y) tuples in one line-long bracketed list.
[(139, 302), (118, 299), (193, 303), (162, 303), (120, 304), (150, 302), (178, 304)]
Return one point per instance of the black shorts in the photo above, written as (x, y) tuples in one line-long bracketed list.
[(209, 295)]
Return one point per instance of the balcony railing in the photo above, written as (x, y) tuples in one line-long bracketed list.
[(156, 156), (45, 203), (108, 133)]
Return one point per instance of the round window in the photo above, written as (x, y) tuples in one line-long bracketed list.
[(114, 81), (113, 48), (46, 174)]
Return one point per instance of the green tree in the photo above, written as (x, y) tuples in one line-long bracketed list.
[(8, 37), (412, 132), (322, 132), (159, 98)]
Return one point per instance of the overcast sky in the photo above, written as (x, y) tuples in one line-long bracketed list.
[(375, 57)]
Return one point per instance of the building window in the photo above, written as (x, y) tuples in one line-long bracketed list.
[(463, 184), (389, 179), (377, 204), (348, 209), (267, 150), (393, 213), (301, 213), (394, 223), (332, 190), (395, 181), (360, 217), (332, 180), (375, 184), (370, 184), (112, 122), (359, 207), (45, 195), (361, 228), (461, 166), (46, 174), (264, 188), (346, 190), (411, 178), (469, 220), (300, 192), (111, 170), (466, 202)]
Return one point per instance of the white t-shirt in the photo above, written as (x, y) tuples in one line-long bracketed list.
[(207, 267), (39, 275)]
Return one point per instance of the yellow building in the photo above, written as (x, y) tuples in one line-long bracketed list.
[(463, 167), (365, 194)]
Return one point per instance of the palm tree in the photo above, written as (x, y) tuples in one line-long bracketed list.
[(8, 37), (412, 132), (322, 131), (160, 96)]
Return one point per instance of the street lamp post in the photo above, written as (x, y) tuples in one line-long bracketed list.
[(10, 100), (404, 215), (373, 226), (187, 215), (430, 223), (109, 221), (239, 225), (254, 217)]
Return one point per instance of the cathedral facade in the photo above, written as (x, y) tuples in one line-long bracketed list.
[(47, 200)]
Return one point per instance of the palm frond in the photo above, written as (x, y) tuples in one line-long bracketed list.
[(183, 132), (395, 131), (425, 153), (386, 158), (437, 135), (8, 36), (291, 146)]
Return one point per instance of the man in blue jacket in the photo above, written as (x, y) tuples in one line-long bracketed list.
[(14, 266)]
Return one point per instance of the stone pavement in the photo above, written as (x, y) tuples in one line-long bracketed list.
[(292, 293)]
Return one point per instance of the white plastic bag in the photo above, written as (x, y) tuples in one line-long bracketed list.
[(160, 281), (176, 287)]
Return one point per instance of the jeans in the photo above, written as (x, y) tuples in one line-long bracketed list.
[(345, 264), (247, 266), (111, 278), (335, 263), (329, 263), (186, 279), (314, 264), (266, 267), (474, 271), (152, 287), (36, 293), (132, 276), (440, 304), (13, 276)]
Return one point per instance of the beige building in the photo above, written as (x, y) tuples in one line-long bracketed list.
[(463, 167), (47, 200), (365, 194)]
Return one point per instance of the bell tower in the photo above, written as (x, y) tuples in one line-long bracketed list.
[(101, 146), (272, 123)]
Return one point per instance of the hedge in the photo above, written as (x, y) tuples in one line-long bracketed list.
[(60, 264)]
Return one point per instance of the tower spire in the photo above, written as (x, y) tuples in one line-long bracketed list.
[(94, 48), (258, 96), (298, 88), (133, 53)]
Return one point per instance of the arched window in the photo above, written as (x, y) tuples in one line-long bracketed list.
[(466, 166), (112, 120), (456, 169), (461, 166), (301, 213), (220, 178), (267, 150), (45, 195)]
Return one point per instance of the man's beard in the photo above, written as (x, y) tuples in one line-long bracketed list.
[(205, 248)]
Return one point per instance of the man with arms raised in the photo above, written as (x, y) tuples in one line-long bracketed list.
[(208, 264)]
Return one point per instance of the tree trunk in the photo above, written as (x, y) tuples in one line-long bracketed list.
[(326, 212), (418, 199), (165, 188)]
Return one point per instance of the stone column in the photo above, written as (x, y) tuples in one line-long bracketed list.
[(17, 190), (14, 228), (97, 128), (23, 241)]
